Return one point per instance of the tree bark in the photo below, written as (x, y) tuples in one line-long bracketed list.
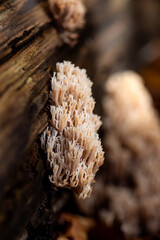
[(29, 46)]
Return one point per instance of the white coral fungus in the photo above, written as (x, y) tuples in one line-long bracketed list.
[(73, 147), (133, 143), (68, 13), (70, 17)]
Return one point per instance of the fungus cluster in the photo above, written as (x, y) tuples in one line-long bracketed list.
[(133, 148), (72, 144), (69, 15)]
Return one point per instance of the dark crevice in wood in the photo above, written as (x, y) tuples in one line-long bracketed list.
[(17, 47), (15, 41)]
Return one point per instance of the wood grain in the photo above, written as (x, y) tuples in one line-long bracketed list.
[(23, 77), (29, 46)]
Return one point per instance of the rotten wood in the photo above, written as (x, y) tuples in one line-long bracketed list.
[(29, 45)]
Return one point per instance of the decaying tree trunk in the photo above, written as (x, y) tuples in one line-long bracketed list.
[(29, 48), (28, 51)]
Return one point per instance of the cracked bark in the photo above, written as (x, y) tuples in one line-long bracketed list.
[(29, 49)]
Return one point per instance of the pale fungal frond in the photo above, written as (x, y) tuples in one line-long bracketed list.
[(133, 145), (74, 151), (70, 17)]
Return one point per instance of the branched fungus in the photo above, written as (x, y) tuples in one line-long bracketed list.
[(133, 145), (73, 147), (69, 15)]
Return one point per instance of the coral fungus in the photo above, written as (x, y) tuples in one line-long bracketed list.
[(69, 15), (133, 144), (73, 147)]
